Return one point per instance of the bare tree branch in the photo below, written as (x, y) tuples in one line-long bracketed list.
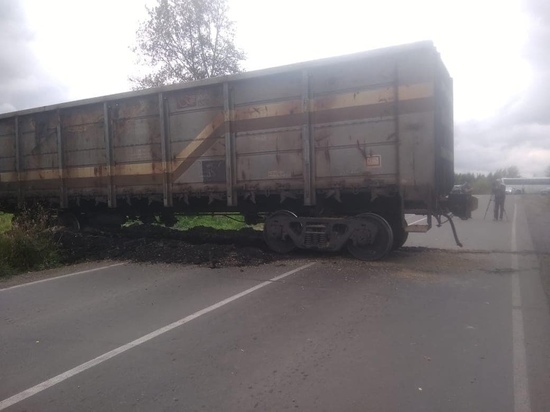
[(185, 40)]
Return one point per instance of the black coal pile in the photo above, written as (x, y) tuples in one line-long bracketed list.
[(157, 244)]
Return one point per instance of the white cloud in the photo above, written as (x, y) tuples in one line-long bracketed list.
[(496, 51), (23, 81)]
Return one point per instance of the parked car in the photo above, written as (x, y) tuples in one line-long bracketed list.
[(513, 191), (463, 188), (457, 189)]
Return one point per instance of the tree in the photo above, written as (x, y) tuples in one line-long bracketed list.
[(511, 171), (481, 183), (185, 40)]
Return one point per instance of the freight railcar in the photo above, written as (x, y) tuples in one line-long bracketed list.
[(330, 153)]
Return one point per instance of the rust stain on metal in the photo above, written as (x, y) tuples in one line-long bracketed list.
[(197, 98), (322, 135), (186, 101), (327, 154), (199, 145), (414, 126), (371, 159), (361, 150), (269, 110)]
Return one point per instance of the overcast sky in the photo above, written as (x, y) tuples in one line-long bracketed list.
[(497, 52)]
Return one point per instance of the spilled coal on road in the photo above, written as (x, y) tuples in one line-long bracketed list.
[(158, 244)]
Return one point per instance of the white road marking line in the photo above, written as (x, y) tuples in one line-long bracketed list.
[(64, 276), (522, 401), (106, 356), (417, 221)]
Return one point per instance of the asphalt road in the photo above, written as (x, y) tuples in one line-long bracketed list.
[(435, 327)]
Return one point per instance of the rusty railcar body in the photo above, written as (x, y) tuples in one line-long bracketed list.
[(334, 151)]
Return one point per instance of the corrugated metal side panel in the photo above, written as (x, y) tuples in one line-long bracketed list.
[(136, 145), (416, 131), (444, 132), (38, 137), (360, 114), (268, 125), (266, 121), (355, 154), (368, 122), (83, 136), (84, 152), (8, 175), (196, 136), (7, 145), (363, 73), (353, 123), (39, 155)]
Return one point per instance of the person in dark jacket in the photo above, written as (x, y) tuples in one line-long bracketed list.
[(499, 193)]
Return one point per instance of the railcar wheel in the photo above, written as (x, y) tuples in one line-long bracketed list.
[(400, 236), (273, 233), (69, 221), (372, 238), (399, 239)]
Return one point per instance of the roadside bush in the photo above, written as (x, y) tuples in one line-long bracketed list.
[(216, 222), (5, 222), (28, 244)]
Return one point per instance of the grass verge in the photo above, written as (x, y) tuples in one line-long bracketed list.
[(26, 244), (216, 222), (5, 222)]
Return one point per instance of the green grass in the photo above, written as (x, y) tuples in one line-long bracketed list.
[(26, 245), (189, 222), (5, 222), (216, 222)]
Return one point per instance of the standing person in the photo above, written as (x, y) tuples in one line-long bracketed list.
[(499, 192)]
